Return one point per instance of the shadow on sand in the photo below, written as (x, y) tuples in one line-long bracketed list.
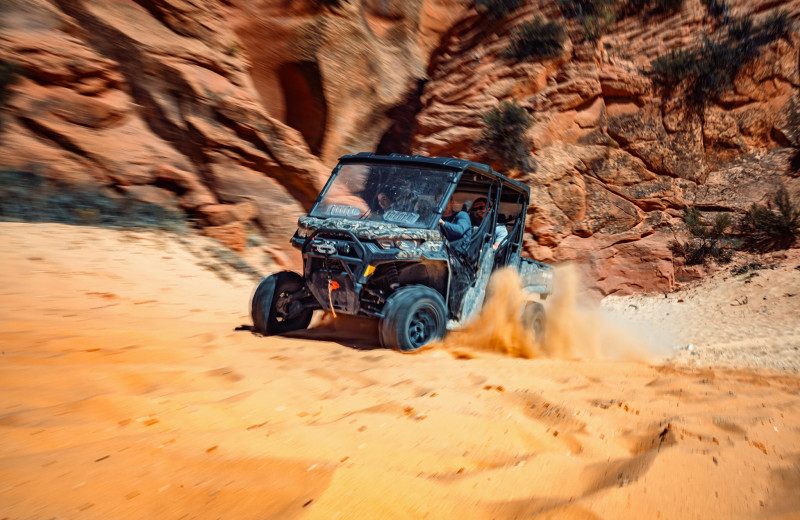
[(348, 331)]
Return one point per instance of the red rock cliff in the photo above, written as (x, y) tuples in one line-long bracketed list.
[(235, 111), (617, 161)]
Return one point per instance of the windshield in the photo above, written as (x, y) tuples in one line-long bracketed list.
[(404, 195)]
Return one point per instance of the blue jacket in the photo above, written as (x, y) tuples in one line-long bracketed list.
[(457, 225)]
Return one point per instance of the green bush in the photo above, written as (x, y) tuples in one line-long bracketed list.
[(536, 39), (711, 67), (593, 15), (778, 25), (673, 67), (667, 6), (498, 9), (580, 8), (504, 140), (707, 239), (330, 4), (717, 9), (775, 225)]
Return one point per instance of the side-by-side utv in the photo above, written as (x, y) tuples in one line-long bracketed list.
[(373, 246)]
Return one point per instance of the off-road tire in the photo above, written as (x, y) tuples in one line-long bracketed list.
[(413, 316), (269, 300), (533, 317)]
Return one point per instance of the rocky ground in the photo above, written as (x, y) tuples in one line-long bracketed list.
[(745, 315)]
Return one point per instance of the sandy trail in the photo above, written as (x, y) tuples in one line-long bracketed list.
[(126, 392)]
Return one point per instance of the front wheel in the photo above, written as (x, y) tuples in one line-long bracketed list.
[(533, 318), (413, 316), (273, 309)]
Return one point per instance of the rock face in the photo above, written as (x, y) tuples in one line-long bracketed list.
[(235, 111), (209, 103), (157, 94), (618, 161)]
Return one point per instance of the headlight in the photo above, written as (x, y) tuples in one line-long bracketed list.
[(431, 245), (411, 245), (406, 245)]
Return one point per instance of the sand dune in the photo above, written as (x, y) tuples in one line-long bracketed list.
[(126, 391)]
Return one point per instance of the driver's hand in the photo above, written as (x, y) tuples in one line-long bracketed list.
[(441, 222)]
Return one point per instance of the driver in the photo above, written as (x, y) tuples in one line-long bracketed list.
[(384, 202)]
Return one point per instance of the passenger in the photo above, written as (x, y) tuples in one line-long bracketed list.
[(456, 223), (478, 212)]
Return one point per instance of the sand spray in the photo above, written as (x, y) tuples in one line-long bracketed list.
[(574, 329)]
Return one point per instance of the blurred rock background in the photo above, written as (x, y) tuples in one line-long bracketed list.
[(229, 114)]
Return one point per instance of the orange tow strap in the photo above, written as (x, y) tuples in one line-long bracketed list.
[(332, 286)]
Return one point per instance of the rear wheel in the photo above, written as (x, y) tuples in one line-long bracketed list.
[(413, 316), (533, 318), (273, 310)]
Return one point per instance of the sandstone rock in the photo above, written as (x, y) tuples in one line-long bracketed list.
[(277, 210), (151, 195), (632, 267), (231, 235), (616, 82), (691, 273), (569, 195), (281, 259), (221, 214)]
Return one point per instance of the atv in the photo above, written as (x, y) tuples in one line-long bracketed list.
[(373, 246)]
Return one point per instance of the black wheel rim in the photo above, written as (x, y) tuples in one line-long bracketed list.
[(421, 327), (281, 306)]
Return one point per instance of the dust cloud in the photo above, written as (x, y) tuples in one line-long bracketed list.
[(574, 329)]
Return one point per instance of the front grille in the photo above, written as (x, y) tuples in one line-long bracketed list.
[(335, 235), (333, 265)]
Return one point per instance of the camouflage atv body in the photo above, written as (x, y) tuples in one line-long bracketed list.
[(373, 246)]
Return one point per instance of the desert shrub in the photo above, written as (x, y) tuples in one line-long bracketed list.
[(593, 15), (667, 6), (652, 6), (775, 225), (710, 68), (536, 39), (706, 239), (330, 4), (581, 8), (497, 9), (778, 25), (504, 138), (673, 67), (717, 9), (748, 268), (27, 197)]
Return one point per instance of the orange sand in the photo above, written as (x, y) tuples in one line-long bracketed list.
[(126, 392)]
